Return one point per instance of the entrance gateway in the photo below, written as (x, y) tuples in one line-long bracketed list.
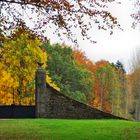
[(50, 103)]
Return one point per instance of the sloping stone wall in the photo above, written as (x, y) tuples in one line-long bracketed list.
[(58, 105), (52, 104)]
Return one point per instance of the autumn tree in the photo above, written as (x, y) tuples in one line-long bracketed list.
[(65, 15), (20, 52), (99, 73), (19, 55), (131, 100), (121, 104), (135, 84), (135, 92), (109, 91), (82, 59), (7, 84), (104, 77)]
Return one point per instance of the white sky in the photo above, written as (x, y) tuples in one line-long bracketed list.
[(120, 45)]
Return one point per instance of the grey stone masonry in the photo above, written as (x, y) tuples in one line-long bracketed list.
[(52, 104), (58, 105), (40, 84)]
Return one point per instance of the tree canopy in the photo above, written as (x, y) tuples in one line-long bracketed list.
[(66, 15), (73, 79), (20, 52)]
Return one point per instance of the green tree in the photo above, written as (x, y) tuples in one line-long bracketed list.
[(73, 79), (104, 76), (108, 88), (120, 71)]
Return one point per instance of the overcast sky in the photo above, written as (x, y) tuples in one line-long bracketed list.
[(120, 45)]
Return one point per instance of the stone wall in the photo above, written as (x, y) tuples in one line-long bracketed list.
[(58, 105), (52, 104)]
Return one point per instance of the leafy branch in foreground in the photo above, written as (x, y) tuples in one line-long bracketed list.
[(65, 15)]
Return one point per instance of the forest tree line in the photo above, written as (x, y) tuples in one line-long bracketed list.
[(101, 84)]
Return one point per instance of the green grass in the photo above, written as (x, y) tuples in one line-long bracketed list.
[(53, 129)]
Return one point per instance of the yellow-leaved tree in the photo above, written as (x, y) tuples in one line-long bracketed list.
[(7, 84), (20, 53)]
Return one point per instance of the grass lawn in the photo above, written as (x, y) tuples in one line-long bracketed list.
[(53, 129)]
